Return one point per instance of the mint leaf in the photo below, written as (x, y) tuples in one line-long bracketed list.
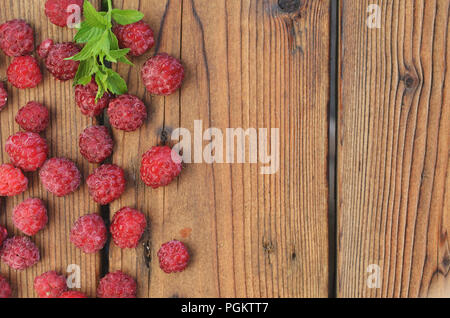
[(116, 84), (125, 17), (92, 17), (84, 73), (87, 33)]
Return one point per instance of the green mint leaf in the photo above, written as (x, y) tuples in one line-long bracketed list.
[(125, 60), (116, 84), (92, 17), (125, 17), (89, 50), (113, 40), (84, 74), (116, 54), (87, 33)]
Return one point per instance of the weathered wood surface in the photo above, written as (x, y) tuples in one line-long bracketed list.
[(393, 149), (67, 123), (249, 65)]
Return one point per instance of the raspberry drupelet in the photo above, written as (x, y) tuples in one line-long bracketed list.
[(138, 37), (19, 253), (5, 288), (12, 181), (160, 166), (127, 227), (50, 285), (89, 233), (173, 257), (58, 11), (16, 38), (85, 98), (96, 144), (33, 117), (24, 72), (106, 184), (30, 216), (27, 150), (117, 285), (60, 176), (127, 112), (3, 235), (3, 96), (72, 294), (55, 54)]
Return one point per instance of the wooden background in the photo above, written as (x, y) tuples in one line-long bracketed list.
[(270, 64)]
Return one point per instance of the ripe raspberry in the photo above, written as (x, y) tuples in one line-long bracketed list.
[(55, 56), (27, 150), (138, 37), (162, 74), (72, 294), (127, 227), (60, 176), (24, 72), (50, 285), (127, 112), (85, 98), (117, 285), (3, 234), (160, 166), (33, 117), (16, 38), (89, 233), (58, 12), (3, 96), (19, 253), (12, 181), (96, 144), (173, 257), (106, 184), (30, 216), (5, 289)]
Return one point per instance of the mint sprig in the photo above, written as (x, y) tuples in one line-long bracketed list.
[(102, 46)]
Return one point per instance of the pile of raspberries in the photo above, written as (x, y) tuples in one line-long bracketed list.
[(29, 152)]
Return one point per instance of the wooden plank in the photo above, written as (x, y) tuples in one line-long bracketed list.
[(66, 124), (393, 149), (249, 65)]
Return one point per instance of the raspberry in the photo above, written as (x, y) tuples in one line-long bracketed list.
[(30, 216), (85, 98), (12, 181), (173, 257), (3, 96), (33, 117), (24, 72), (96, 144), (50, 285), (3, 234), (117, 285), (127, 112), (89, 233), (72, 294), (55, 55), (27, 150), (138, 37), (162, 74), (19, 253), (5, 289), (60, 176), (160, 166), (127, 227), (16, 38), (106, 184), (58, 12)]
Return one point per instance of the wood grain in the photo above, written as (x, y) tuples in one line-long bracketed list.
[(249, 65), (393, 149), (66, 124)]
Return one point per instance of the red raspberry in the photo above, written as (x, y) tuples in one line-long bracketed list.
[(24, 72), (106, 184), (30, 216), (72, 294), (33, 117), (162, 74), (27, 150), (138, 37), (96, 144), (5, 289), (60, 176), (160, 166), (173, 257), (58, 12), (12, 181), (89, 233), (16, 38), (127, 227), (19, 253), (117, 285), (127, 112), (3, 234), (50, 285), (55, 56), (3, 96), (85, 98)]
